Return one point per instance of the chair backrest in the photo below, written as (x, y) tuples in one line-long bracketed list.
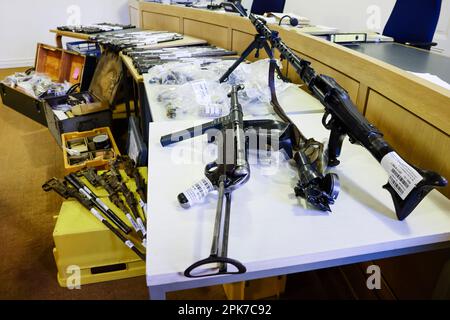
[(413, 20), (263, 6)]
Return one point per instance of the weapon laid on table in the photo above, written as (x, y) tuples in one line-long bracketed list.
[(95, 28), (99, 180), (316, 185), (181, 52), (65, 191), (97, 202), (407, 184), (229, 172), (144, 61), (225, 176), (137, 40)]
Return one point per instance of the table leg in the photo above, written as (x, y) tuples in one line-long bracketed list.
[(59, 41), (157, 293)]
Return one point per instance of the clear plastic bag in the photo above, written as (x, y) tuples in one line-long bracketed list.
[(255, 98), (36, 84), (203, 98)]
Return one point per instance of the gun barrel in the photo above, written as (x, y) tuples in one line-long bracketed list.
[(96, 201), (189, 133), (237, 117)]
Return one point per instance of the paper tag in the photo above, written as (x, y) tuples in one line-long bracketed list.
[(129, 244), (143, 206), (402, 177), (102, 204), (76, 74), (87, 195), (141, 226), (133, 223), (199, 191), (61, 115), (97, 214), (201, 91)]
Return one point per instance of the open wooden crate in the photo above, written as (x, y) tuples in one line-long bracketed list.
[(97, 159)]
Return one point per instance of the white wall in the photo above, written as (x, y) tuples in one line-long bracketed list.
[(24, 23), (350, 15)]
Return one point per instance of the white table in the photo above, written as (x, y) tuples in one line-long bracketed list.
[(271, 232), (294, 101)]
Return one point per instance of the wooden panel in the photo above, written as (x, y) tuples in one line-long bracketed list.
[(352, 86), (414, 276), (49, 61), (134, 17), (156, 21), (215, 35), (413, 138), (419, 96), (72, 67)]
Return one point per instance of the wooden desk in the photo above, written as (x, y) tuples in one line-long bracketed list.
[(398, 103)]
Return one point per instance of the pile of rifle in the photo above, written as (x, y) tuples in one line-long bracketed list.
[(96, 28), (118, 193), (146, 58), (135, 39)]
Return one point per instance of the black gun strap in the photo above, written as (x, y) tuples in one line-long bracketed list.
[(298, 138)]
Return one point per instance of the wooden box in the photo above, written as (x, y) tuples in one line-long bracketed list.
[(60, 65), (101, 97), (99, 158)]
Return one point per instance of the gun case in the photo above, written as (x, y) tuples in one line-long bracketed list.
[(60, 65), (94, 111)]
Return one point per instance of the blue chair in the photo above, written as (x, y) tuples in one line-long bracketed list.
[(414, 22), (262, 6)]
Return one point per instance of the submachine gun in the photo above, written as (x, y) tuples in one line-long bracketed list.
[(228, 173), (407, 184)]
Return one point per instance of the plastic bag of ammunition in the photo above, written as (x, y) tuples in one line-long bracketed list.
[(201, 97)]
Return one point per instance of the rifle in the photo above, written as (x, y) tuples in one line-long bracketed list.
[(229, 172), (408, 185), (97, 202), (132, 171), (99, 180), (65, 191), (114, 179)]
